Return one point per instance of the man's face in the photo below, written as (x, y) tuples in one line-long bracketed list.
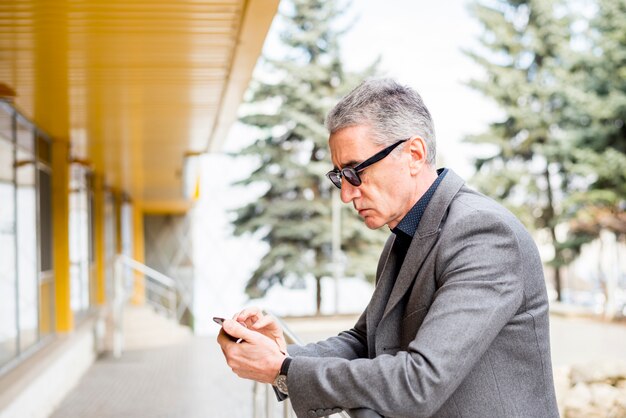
[(384, 194)]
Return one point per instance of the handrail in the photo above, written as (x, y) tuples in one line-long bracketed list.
[(165, 287), (257, 397), (156, 275), (290, 336)]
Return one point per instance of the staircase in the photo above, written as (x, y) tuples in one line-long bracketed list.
[(144, 329)]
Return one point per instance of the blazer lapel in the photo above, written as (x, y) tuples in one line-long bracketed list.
[(425, 237), (381, 293)]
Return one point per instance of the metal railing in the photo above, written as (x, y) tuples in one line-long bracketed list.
[(163, 293), (263, 396)]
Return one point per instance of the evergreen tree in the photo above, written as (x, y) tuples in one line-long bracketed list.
[(524, 48), (288, 106), (597, 126)]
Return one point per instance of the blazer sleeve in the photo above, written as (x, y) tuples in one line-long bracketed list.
[(349, 344), (480, 290)]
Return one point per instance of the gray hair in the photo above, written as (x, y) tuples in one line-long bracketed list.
[(392, 112)]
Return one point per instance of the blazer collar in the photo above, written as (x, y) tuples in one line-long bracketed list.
[(425, 237), (436, 209)]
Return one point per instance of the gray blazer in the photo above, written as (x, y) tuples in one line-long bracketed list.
[(462, 331)]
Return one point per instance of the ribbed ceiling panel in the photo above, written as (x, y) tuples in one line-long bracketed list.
[(146, 79)]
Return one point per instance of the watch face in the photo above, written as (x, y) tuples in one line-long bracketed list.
[(281, 384)]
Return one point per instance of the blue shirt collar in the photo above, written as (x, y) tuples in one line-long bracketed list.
[(408, 225)]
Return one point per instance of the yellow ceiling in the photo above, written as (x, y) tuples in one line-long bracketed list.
[(133, 85)]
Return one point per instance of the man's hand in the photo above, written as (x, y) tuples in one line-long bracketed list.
[(265, 324), (257, 357)]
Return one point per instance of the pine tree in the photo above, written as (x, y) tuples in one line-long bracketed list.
[(289, 104), (524, 49), (597, 126)]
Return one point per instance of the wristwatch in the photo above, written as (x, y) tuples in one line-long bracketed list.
[(281, 380)]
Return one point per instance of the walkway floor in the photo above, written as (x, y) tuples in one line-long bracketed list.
[(185, 380), (190, 379), (584, 340)]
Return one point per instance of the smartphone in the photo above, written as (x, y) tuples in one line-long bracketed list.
[(220, 321)]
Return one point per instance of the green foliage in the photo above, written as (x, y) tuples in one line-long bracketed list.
[(558, 155), (288, 106), (524, 52), (597, 124)]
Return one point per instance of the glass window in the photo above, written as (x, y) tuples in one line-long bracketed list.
[(24, 136), (44, 153), (8, 308), (93, 272), (45, 219), (6, 157), (92, 218), (26, 276), (27, 263), (79, 239), (127, 229), (126, 217), (46, 275), (110, 242)]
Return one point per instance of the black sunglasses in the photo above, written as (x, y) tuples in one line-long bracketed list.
[(352, 173)]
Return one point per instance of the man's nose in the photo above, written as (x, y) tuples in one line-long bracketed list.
[(348, 192)]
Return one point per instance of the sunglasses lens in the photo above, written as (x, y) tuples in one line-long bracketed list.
[(335, 177), (351, 176)]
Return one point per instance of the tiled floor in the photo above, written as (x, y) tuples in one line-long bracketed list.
[(190, 379), (184, 377), (185, 380)]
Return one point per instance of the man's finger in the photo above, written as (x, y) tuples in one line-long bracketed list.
[(265, 321), (247, 314), (235, 329), (223, 338)]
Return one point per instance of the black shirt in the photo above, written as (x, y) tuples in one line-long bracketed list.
[(406, 228)]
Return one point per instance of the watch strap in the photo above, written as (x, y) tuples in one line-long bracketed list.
[(284, 368)]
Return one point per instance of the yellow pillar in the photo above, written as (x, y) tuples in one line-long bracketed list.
[(98, 236), (51, 112), (139, 293), (60, 240)]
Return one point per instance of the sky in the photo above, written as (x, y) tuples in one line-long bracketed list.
[(420, 45)]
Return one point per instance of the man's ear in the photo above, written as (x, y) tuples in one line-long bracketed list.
[(418, 154)]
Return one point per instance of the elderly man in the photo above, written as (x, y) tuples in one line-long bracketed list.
[(458, 323)]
